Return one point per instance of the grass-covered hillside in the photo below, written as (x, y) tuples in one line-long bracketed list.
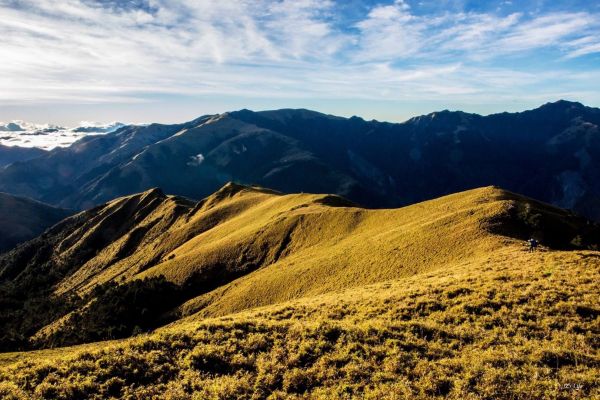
[(513, 325), (253, 294), (141, 261)]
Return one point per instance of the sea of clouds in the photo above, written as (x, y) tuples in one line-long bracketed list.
[(47, 136)]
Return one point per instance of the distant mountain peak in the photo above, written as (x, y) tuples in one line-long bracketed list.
[(11, 127), (281, 115), (442, 117), (562, 104)]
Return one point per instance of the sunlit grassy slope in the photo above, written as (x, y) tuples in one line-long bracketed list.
[(512, 325), (322, 248), (314, 238), (244, 247), (309, 296), (298, 244)]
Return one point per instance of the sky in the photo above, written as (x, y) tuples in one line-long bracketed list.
[(140, 61)]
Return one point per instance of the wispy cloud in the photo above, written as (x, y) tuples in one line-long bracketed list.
[(128, 51), (393, 32)]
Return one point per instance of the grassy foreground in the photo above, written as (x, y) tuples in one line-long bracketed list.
[(512, 326)]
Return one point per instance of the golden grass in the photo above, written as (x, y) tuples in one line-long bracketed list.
[(335, 302), (514, 326), (259, 227), (331, 248), (307, 246), (299, 244)]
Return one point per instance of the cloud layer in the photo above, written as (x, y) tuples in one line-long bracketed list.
[(85, 51), (47, 136)]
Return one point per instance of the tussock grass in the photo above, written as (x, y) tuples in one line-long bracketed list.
[(514, 326)]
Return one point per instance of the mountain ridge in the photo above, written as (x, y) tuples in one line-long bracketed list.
[(251, 291), (209, 256), (550, 153)]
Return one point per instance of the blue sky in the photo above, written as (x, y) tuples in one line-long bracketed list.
[(172, 60)]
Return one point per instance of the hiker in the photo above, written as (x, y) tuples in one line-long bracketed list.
[(532, 244)]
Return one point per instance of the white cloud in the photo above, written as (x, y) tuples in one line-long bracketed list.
[(76, 51), (196, 160), (582, 46), (392, 32), (546, 31), (389, 32), (48, 136)]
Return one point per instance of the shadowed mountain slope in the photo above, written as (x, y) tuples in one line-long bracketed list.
[(22, 219), (62, 172), (244, 247), (10, 154), (550, 153)]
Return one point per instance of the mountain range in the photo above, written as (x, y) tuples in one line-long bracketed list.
[(550, 153)]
